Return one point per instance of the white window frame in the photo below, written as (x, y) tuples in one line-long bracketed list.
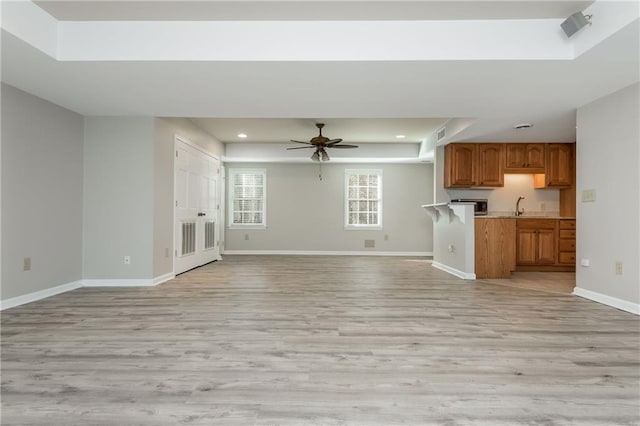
[(350, 172), (231, 179)]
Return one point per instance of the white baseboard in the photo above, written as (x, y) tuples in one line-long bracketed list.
[(43, 294), (118, 283), (163, 278), (38, 295), (614, 302), (454, 271), (329, 253)]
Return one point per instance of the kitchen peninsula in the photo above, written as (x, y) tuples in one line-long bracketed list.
[(504, 244)]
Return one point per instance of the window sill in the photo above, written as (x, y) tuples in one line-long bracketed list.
[(255, 227), (363, 228)]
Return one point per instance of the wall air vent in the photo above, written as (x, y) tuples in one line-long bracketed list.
[(441, 134)]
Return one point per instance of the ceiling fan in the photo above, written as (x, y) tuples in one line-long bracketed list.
[(320, 143)]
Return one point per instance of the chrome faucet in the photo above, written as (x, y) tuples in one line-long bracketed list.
[(518, 211)]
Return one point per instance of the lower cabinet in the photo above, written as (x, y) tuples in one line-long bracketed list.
[(567, 242), (536, 242), (495, 247), (503, 245)]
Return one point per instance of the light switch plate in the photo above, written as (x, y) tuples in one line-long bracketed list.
[(588, 195)]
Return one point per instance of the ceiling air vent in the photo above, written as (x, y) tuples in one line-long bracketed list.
[(441, 133)]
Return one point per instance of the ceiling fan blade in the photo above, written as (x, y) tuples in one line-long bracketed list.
[(333, 141), (307, 143), (301, 147), (342, 146)]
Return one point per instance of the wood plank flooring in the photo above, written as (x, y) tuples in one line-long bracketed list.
[(277, 340)]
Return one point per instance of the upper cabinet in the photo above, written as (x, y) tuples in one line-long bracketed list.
[(460, 165), (559, 164), (484, 164), (490, 165), (472, 164), (524, 158)]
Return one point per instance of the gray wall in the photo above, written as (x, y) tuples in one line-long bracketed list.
[(608, 161), (118, 197), (42, 151), (304, 213), (164, 135)]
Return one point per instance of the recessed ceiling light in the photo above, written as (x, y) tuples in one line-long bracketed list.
[(242, 135), (400, 136), (523, 126)]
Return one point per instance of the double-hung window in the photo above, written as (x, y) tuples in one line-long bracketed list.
[(363, 199), (248, 196)]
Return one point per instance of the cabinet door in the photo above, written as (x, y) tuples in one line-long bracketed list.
[(546, 246), (535, 156), (460, 165), (527, 247), (515, 155), (559, 165), (490, 164)]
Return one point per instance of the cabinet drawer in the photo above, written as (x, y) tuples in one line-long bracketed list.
[(567, 245), (568, 233), (567, 258), (536, 223), (567, 224)]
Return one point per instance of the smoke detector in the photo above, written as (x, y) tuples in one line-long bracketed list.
[(523, 126)]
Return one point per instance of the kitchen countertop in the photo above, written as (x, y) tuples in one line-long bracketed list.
[(522, 217)]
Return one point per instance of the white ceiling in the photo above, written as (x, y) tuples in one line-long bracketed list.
[(364, 100), (351, 130), (302, 10)]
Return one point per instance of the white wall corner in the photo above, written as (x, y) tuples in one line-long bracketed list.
[(163, 278)]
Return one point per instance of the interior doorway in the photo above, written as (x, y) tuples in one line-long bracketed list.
[(197, 207)]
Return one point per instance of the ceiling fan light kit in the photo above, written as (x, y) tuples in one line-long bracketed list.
[(320, 143)]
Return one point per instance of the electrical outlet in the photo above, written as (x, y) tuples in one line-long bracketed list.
[(451, 248), (26, 266), (166, 252), (127, 260), (584, 262), (386, 237), (246, 237), (543, 206), (618, 268)]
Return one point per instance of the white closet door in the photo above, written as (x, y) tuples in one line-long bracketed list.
[(196, 213), (209, 210)]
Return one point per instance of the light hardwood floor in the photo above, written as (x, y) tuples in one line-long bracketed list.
[(319, 341)]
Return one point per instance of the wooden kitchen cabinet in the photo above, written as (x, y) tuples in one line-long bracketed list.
[(460, 165), (559, 164), (495, 247), (536, 241), (567, 242), (503, 245), (490, 164), (470, 164), (524, 158), (484, 165)]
